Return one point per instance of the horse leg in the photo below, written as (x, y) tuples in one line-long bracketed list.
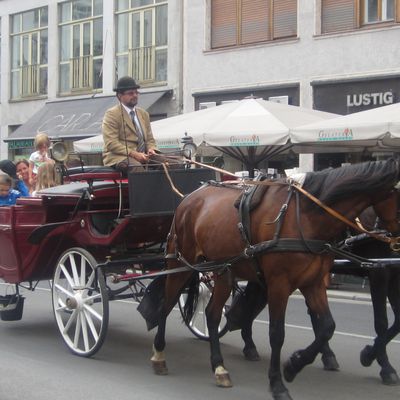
[(277, 303), (256, 300), (325, 325), (384, 335), (328, 356), (220, 295), (173, 287)]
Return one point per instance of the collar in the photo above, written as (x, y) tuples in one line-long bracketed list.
[(128, 110)]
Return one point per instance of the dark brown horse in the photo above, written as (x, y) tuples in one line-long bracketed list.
[(384, 286), (291, 257)]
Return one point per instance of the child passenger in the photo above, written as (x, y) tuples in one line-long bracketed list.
[(9, 168), (40, 156), (8, 196), (46, 178)]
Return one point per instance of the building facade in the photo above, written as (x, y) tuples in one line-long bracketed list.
[(60, 61), (340, 56)]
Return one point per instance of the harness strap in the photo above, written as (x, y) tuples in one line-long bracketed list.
[(290, 245), (340, 217)]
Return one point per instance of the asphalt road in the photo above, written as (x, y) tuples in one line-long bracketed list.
[(35, 364)]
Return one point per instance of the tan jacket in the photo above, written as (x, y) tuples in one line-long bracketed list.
[(114, 134)]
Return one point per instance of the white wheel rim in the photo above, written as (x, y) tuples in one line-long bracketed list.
[(198, 323), (78, 302)]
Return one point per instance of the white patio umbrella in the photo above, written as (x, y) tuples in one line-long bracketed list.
[(378, 127), (250, 130), (93, 144)]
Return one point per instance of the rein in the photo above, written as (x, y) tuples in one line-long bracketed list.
[(393, 241)]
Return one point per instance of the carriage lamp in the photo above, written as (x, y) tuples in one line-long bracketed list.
[(189, 147), (59, 151)]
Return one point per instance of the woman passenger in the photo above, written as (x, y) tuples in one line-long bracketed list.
[(23, 173)]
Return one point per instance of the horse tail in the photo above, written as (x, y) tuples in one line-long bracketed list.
[(191, 299)]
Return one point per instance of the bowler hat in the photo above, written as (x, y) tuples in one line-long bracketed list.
[(126, 83), (9, 168)]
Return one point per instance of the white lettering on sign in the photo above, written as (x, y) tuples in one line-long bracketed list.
[(369, 99), (76, 122)]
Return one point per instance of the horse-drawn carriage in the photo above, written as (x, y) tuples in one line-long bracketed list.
[(95, 237), (99, 231)]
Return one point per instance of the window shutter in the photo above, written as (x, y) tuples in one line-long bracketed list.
[(285, 18), (255, 23), (338, 15), (223, 23)]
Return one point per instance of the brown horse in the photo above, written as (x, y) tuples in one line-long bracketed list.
[(289, 233)]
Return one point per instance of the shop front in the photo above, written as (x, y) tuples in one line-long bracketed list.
[(70, 120), (350, 96)]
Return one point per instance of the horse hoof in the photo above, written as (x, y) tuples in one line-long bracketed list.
[(289, 372), (390, 379), (222, 378), (251, 354), (330, 363), (160, 367), (366, 356), (281, 395)]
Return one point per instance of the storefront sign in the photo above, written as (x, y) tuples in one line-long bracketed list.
[(20, 144), (366, 99), (289, 94), (350, 96)]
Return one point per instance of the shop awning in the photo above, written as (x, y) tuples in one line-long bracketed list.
[(73, 119)]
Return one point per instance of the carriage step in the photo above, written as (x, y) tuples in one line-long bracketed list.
[(11, 307)]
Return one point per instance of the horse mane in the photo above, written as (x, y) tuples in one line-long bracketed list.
[(331, 184)]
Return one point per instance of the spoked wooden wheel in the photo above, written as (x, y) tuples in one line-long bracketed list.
[(198, 324), (80, 302)]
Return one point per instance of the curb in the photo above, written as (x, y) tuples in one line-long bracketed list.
[(341, 294)]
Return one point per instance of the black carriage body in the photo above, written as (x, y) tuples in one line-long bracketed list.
[(151, 194)]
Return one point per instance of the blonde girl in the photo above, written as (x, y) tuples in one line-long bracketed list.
[(46, 178), (40, 156)]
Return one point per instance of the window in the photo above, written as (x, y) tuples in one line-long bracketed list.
[(81, 45), (239, 22), (142, 40), (29, 53), (377, 11), (345, 15)]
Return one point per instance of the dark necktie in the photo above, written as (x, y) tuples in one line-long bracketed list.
[(141, 147)]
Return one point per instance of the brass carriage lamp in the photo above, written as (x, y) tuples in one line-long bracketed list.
[(59, 153)]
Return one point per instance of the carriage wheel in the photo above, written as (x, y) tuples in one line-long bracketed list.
[(80, 302), (198, 324)]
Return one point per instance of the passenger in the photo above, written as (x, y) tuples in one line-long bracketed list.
[(128, 139), (40, 156), (46, 178), (8, 196), (23, 173), (18, 184)]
